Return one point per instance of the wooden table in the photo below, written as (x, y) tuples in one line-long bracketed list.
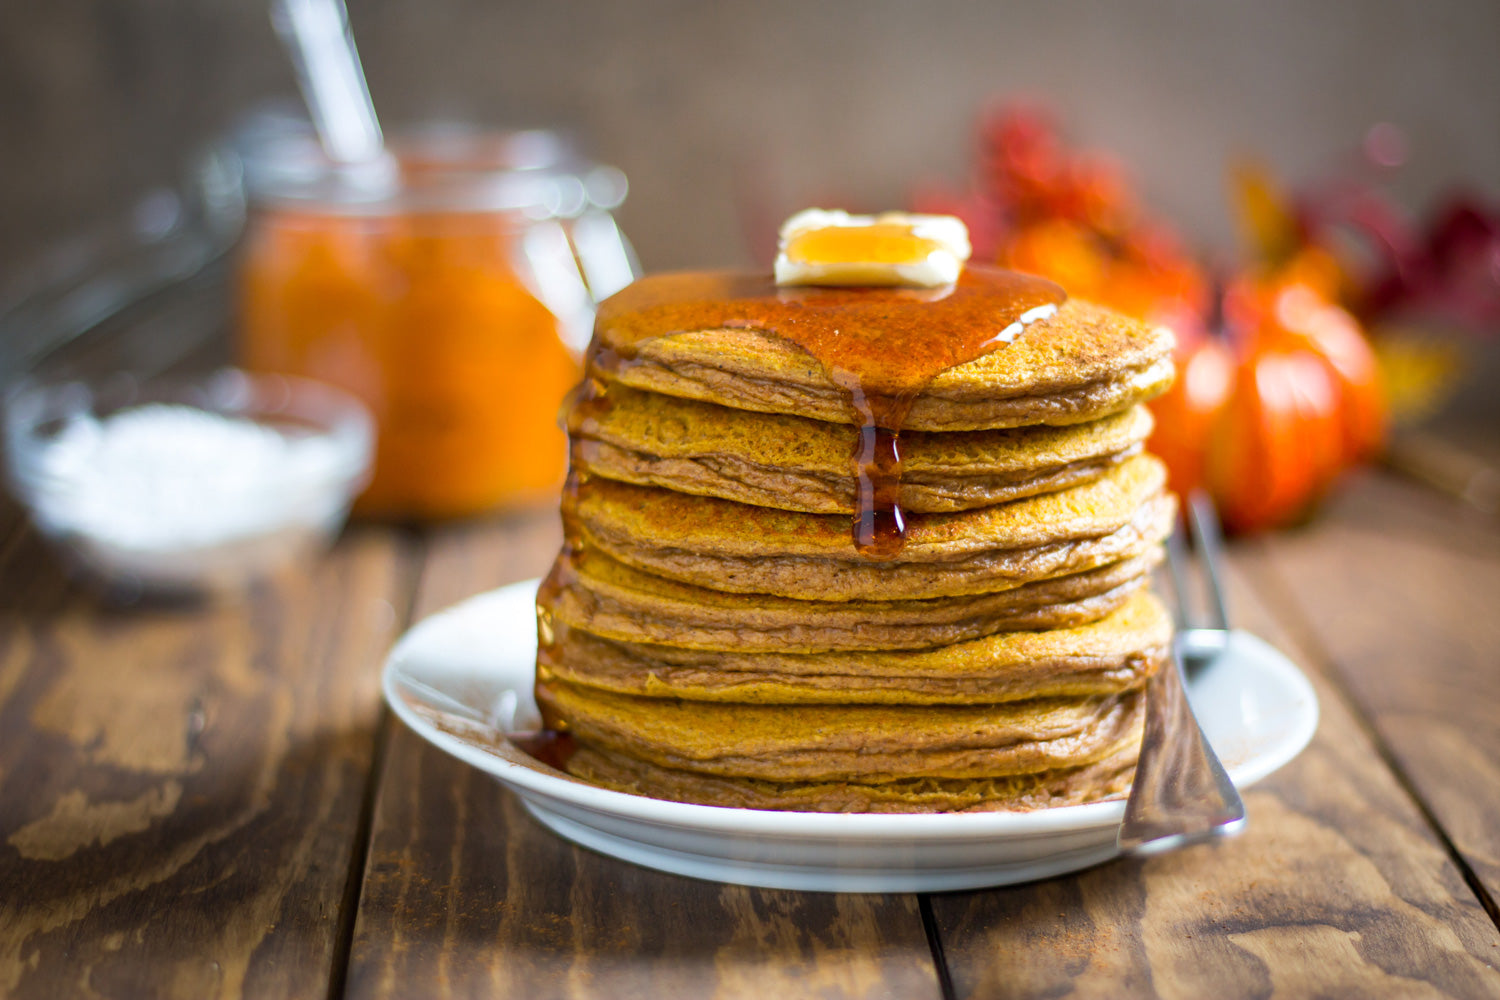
[(204, 802)]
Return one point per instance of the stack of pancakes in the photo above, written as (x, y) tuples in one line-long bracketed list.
[(710, 633)]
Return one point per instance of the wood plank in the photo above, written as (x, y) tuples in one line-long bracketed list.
[(1411, 621), (1383, 503), (1338, 888), (182, 788), (466, 895)]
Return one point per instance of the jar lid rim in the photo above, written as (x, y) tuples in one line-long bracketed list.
[(440, 166)]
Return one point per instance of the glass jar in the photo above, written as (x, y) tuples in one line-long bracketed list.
[(452, 293)]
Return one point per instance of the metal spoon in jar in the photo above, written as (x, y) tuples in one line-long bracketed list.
[(317, 38)]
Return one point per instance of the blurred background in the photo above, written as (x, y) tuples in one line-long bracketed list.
[(1307, 193), (708, 107)]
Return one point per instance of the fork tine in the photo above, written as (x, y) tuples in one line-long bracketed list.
[(1209, 541)]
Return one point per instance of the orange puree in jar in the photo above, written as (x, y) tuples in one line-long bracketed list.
[(423, 318), (421, 308)]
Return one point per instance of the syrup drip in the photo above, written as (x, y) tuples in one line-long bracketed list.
[(881, 346), (879, 521)]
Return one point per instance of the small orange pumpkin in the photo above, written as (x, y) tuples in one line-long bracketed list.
[(1186, 413), (1268, 419)]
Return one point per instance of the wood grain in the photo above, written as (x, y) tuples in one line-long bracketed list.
[(1411, 622), (466, 895), (1338, 888), (181, 788)]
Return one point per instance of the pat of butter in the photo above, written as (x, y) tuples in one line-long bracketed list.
[(821, 247)]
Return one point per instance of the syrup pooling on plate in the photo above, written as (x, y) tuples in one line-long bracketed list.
[(549, 746), (881, 346)]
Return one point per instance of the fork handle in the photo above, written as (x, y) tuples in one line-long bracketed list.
[(1181, 794)]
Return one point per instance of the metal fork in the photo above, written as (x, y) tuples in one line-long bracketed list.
[(1181, 794)]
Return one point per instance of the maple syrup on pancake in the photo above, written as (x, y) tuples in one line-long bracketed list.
[(881, 346)]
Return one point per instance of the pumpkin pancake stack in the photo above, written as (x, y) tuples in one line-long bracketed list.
[(858, 548)]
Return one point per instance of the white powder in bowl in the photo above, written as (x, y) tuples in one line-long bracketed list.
[(175, 496)]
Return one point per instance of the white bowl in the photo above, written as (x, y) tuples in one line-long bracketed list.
[(160, 508)]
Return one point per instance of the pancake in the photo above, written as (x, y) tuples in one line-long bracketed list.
[(867, 743), (736, 547), (1081, 364), (817, 559), (1114, 654), (792, 463), (590, 591), (1108, 778)]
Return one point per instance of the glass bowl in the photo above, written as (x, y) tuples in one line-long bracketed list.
[(181, 486)]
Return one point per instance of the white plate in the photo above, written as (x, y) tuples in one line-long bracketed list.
[(476, 660)]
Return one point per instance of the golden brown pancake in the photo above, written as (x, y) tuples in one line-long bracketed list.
[(739, 548), (867, 743), (1107, 778), (1082, 364), (712, 634), (600, 595), (1111, 655), (791, 463)]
